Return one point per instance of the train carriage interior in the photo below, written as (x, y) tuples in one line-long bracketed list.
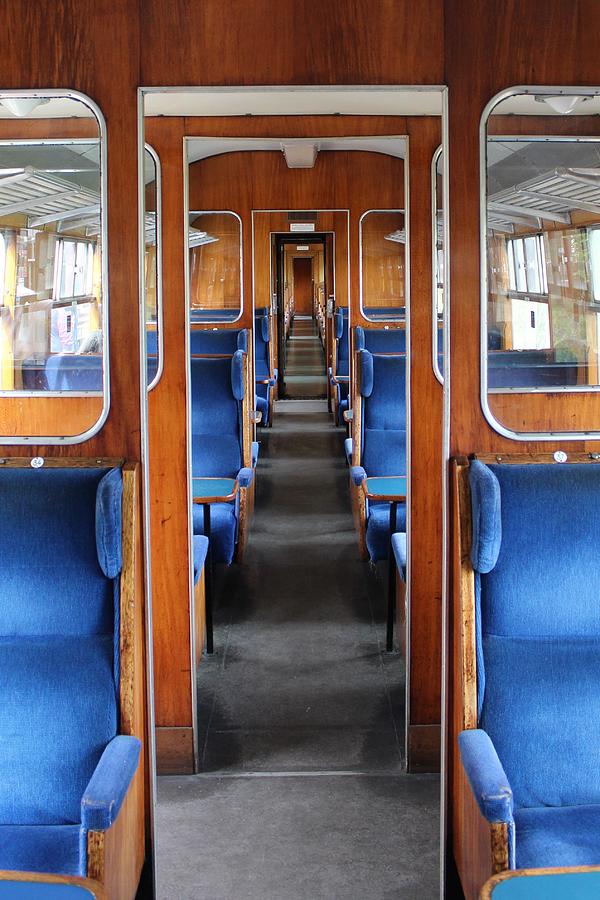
[(300, 435)]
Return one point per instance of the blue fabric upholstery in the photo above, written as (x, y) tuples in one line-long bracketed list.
[(380, 340), (223, 529), (72, 372), (262, 364), (378, 528), (200, 544), (217, 442), (486, 776), (218, 340), (563, 836), (237, 374), (44, 848), (486, 518), (399, 548), (104, 795), (255, 452), (59, 530), (348, 450), (539, 652), (383, 438)]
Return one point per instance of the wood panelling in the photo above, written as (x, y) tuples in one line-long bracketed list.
[(383, 266), (215, 276), (231, 42), (171, 588), (489, 46), (49, 416), (425, 679)]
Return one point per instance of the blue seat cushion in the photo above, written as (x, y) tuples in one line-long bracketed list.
[(57, 715), (223, 529), (200, 543), (60, 849), (399, 548), (557, 836), (378, 528), (262, 405)]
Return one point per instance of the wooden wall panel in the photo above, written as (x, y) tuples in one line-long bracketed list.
[(530, 43), (233, 42)]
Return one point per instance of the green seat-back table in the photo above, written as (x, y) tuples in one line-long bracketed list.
[(544, 884)]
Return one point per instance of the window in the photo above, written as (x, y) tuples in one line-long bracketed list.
[(527, 265), (74, 269), (594, 261)]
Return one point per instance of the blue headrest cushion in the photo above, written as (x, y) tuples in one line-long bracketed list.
[(359, 338), (486, 512), (237, 374), (264, 324), (339, 323), (242, 340), (109, 528), (366, 373)]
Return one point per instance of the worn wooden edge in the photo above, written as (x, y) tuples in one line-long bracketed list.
[(499, 847), (175, 750), (486, 891), (63, 462), (523, 459), (128, 601), (467, 649), (424, 747), (94, 887)]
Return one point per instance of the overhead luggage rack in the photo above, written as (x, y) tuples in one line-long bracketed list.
[(553, 196), (45, 198)]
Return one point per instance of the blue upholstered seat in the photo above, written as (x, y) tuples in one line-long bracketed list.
[(399, 548), (537, 571), (200, 551), (380, 340), (73, 372), (60, 531), (340, 389), (217, 442), (383, 439), (265, 378), (218, 340)]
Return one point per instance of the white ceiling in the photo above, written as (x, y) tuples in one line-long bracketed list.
[(201, 148), (527, 105), (294, 101)]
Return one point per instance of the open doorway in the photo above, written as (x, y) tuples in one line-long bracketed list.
[(302, 287)]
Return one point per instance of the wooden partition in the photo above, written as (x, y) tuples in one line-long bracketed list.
[(530, 44)]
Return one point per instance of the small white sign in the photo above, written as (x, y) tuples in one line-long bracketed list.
[(302, 226), (302, 247)]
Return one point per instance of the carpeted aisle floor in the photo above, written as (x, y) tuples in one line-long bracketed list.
[(305, 375), (303, 793)]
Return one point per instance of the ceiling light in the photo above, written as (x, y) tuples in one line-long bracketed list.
[(300, 156), (22, 106), (562, 104)]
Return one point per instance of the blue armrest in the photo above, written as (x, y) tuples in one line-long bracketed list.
[(486, 776), (200, 546), (357, 474), (245, 477), (255, 452), (110, 782), (275, 375)]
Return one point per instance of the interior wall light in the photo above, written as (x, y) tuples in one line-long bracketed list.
[(562, 104), (23, 106)]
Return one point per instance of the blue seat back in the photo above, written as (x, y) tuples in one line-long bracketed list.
[(218, 340), (383, 420), (380, 340), (60, 532), (262, 337), (74, 372), (217, 391), (535, 553), (342, 343)]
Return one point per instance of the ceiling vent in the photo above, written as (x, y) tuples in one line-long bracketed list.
[(300, 156)]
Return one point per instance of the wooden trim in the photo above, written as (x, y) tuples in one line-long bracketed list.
[(357, 497), (467, 647), (487, 889), (128, 602), (116, 856), (524, 459), (94, 887), (61, 462), (175, 750), (424, 742)]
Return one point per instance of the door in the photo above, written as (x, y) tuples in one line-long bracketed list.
[(303, 286)]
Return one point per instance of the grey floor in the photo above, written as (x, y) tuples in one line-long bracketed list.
[(303, 792), (305, 375)]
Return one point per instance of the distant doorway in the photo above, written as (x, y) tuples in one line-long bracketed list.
[(303, 285)]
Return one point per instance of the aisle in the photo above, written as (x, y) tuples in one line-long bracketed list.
[(305, 373), (303, 793)]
